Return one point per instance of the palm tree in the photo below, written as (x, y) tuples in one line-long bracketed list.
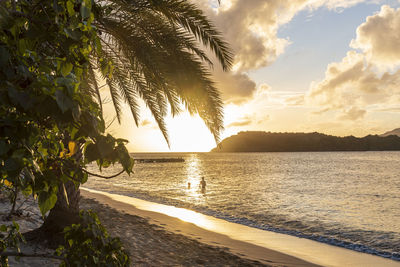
[(156, 50)]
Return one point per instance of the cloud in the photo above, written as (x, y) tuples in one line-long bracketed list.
[(251, 28), (264, 119), (248, 120), (352, 113), (390, 109), (235, 88), (263, 89), (364, 80), (297, 100), (337, 4), (354, 82), (243, 121), (379, 36), (239, 123)]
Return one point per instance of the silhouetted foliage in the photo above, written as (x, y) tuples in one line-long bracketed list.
[(292, 142), (88, 244), (56, 55)]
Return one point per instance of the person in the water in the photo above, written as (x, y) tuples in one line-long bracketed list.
[(203, 185)]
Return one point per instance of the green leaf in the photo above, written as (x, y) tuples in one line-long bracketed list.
[(25, 100), (47, 200), (63, 101), (74, 34), (27, 191), (70, 8), (66, 68), (18, 154), (3, 228), (42, 151), (16, 225), (3, 148), (57, 7), (4, 56), (73, 132), (122, 140), (105, 145), (45, 186), (98, 46), (85, 11), (91, 152), (106, 163), (11, 165)]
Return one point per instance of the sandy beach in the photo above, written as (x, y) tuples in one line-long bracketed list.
[(155, 239), (148, 243), (259, 246), (151, 245), (179, 237)]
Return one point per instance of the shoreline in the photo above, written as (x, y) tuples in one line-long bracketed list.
[(267, 247), (238, 253), (160, 235)]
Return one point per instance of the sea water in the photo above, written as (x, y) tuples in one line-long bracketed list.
[(347, 199)]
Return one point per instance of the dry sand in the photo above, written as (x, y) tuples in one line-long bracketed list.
[(29, 218)]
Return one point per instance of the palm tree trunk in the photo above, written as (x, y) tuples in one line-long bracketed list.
[(65, 211)]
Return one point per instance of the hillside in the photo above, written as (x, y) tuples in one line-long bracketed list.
[(393, 132), (254, 141)]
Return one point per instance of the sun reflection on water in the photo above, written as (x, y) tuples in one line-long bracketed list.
[(188, 216), (194, 171)]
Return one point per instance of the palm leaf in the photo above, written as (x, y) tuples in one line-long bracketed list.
[(154, 47)]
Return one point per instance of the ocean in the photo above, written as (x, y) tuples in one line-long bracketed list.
[(347, 199)]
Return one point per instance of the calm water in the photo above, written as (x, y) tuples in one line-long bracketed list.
[(349, 199)]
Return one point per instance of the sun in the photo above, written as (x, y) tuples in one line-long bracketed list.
[(189, 134)]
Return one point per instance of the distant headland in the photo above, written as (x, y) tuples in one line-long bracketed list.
[(258, 141)]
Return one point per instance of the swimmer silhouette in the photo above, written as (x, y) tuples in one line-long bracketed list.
[(203, 185)]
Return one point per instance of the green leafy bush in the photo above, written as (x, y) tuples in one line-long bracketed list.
[(9, 240), (88, 244)]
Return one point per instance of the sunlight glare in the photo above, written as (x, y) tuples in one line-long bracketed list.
[(188, 216), (189, 134), (194, 173)]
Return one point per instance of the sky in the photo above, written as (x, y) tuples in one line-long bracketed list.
[(329, 66)]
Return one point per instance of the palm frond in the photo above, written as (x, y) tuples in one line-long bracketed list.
[(154, 48)]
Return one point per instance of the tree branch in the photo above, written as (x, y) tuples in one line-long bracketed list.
[(102, 176), (93, 174)]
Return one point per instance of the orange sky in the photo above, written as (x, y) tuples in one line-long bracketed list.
[(330, 66)]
